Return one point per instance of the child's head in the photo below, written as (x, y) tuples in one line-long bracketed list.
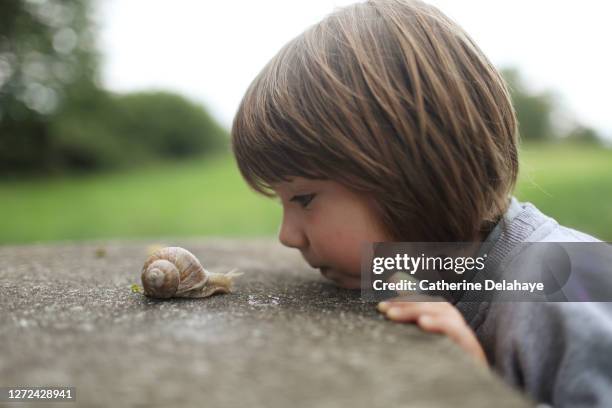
[(388, 103)]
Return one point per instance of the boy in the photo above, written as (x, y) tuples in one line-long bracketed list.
[(385, 122)]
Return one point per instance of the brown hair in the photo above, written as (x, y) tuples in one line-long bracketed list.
[(393, 99)]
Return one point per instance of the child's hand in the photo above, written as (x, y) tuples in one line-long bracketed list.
[(436, 317)]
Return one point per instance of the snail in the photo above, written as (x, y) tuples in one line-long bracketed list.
[(176, 272)]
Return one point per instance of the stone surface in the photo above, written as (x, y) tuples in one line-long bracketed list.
[(285, 337)]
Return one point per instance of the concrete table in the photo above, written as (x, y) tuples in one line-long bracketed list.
[(285, 337)]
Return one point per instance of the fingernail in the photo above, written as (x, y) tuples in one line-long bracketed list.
[(383, 306), (426, 320), (394, 313)]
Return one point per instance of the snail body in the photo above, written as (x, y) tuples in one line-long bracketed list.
[(176, 272)]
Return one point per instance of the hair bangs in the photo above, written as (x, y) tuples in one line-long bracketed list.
[(270, 140)]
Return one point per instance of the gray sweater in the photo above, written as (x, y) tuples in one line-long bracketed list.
[(558, 353)]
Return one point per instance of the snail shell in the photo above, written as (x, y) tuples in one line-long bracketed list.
[(176, 272)]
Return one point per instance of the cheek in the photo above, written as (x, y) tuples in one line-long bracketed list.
[(341, 248), (338, 233)]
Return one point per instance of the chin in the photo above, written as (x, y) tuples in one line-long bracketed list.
[(339, 280)]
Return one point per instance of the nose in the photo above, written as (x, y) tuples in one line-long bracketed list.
[(290, 233)]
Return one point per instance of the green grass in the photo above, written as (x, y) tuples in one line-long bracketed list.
[(207, 197), (572, 184), (202, 197)]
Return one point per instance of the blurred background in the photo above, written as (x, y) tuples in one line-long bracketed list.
[(115, 115)]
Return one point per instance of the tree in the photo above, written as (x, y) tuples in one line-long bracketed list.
[(583, 134), (55, 116), (123, 130), (533, 110), (47, 56), (535, 114)]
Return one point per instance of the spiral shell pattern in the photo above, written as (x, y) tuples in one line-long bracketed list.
[(172, 272)]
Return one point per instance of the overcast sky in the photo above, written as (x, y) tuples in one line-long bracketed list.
[(211, 50)]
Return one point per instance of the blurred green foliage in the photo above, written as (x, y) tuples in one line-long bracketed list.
[(54, 117), (535, 113), (47, 57), (115, 131), (533, 110)]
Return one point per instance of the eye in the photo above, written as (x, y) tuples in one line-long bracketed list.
[(304, 199)]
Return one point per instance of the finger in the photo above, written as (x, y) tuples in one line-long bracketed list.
[(409, 302), (443, 324), (393, 303), (409, 313), (419, 307), (402, 315), (456, 330), (399, 300)]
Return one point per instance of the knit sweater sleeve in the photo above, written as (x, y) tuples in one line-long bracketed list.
[(558, 353)]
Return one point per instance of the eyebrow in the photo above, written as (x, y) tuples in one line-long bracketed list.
[(296, 184), (289, 185)]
